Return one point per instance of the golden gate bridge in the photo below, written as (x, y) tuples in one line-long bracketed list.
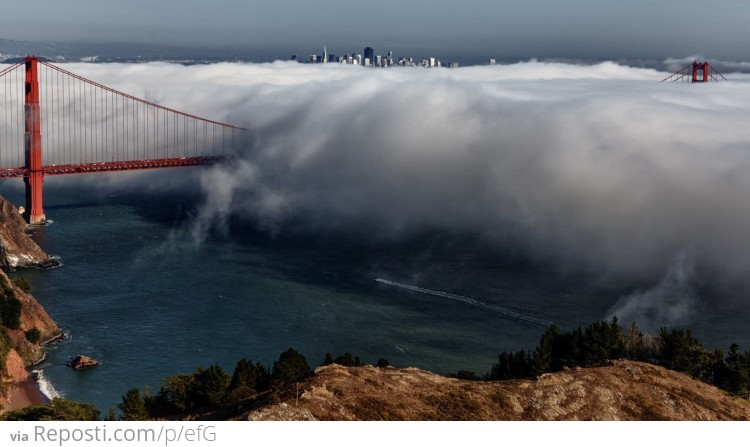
[(86, 127)]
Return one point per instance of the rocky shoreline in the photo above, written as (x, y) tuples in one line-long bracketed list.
[(17, 249), (30, 327)]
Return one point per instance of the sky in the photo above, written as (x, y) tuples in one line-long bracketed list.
[(599, 29)]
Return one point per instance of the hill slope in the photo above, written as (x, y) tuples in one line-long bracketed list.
[(625, 390), (20, 310)]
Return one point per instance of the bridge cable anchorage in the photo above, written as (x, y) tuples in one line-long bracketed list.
[(696, 72), (87, 127)]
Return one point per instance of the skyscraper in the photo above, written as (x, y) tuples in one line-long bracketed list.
[(325, 55), (369, 54)]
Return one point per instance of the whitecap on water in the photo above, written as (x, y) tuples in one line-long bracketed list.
[(45, 386)]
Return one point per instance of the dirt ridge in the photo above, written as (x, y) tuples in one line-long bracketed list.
[(622, 390)]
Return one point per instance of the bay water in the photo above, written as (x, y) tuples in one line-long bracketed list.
[(138, 293)]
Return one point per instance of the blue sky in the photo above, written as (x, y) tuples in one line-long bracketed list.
[(531, 28)]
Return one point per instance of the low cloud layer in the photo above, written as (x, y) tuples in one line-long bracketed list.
[(597, 166), (669, 303)]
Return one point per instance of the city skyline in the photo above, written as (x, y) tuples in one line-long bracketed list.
[(369, 58), (539, 28)]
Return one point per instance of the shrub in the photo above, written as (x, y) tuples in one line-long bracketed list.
[(23, 284), (5, 347), (383, 362), (464, 374), (10, 309), (57, 410), (238, 394), (33, 335)]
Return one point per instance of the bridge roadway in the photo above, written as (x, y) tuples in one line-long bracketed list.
[(111, 166)]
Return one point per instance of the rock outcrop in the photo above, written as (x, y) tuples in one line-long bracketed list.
[(625, 390), (82, 361), (17, 249)]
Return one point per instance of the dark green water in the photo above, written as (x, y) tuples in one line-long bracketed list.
[(136, 292)]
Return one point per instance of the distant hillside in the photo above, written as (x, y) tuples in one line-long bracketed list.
[(624, 390)]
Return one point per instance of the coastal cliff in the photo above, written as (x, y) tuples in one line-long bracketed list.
[(17, 249), (24, 324), (624, 390), (21, 344)]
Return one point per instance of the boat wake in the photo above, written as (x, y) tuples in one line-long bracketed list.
[(468, 300)]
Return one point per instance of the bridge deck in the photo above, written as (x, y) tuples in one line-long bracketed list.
[(86, 168)]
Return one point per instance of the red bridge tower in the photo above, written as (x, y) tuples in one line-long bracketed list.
[(697, 72), (92, 128), (34, 178)]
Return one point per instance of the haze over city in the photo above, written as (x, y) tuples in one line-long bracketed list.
[(468, 31)]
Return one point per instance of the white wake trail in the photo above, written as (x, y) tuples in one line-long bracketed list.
[(468, 300)]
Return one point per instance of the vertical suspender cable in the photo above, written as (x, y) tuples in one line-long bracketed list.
[(5, 121)]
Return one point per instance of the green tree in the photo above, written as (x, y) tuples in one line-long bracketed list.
[(735, 376), (210, 385), (111, 415), (328, 360), (586, 346), (289, 368), (176, 395), (679, 350), (344, 360), (545, 355), (133, 406), (347, 360), (601, 341), (253, 376), (519, 365)]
